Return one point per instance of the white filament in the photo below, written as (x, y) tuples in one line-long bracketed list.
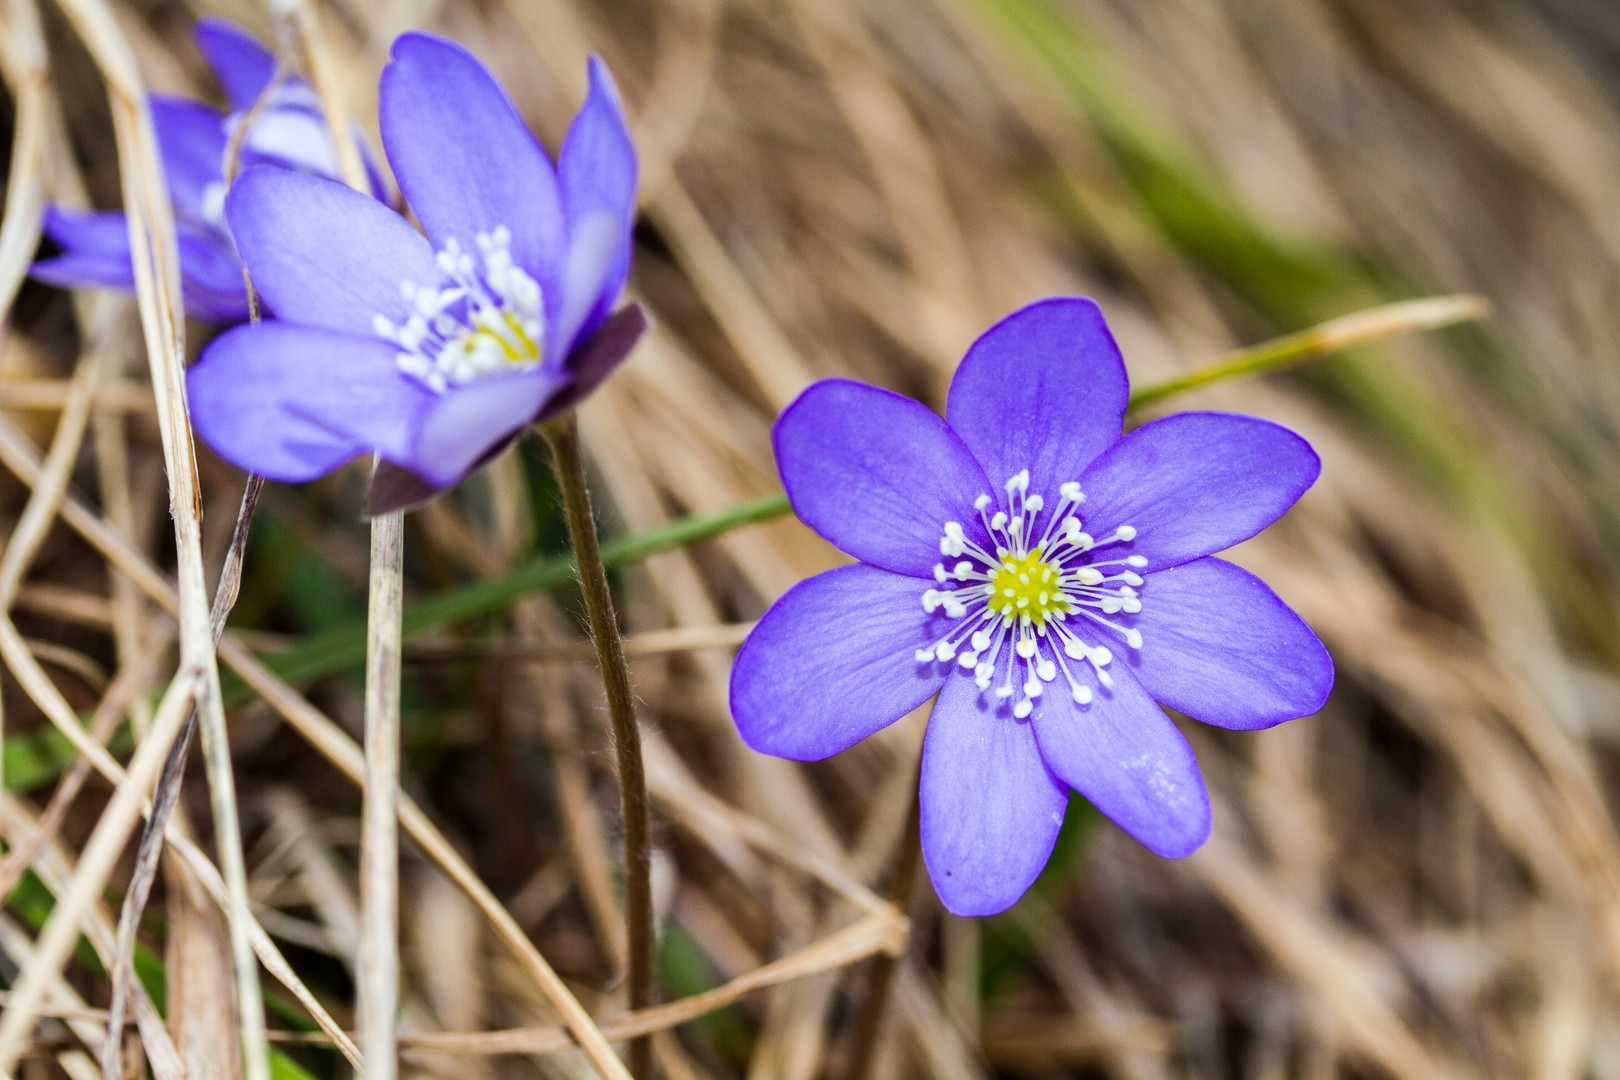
[(1074, 583)]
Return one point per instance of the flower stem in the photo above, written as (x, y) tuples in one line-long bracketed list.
[(377, 967), (1373, 324), (562, 435)]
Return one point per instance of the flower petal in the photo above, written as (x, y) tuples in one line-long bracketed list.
[(394, 487), (463, 156), (465, 422), (595, 359), (1196, 483), (294, 402), (597, 173), (95, 251), (96, 255), (1127, 758), (833, 661), (241, 64), (1044, 390), (1218, 645), (877, 474), (990, 807), (323, 254), (292, 135), (191, 141), (211, 276)]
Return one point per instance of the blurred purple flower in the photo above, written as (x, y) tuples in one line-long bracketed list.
[(1076, 589), (192, 137), (431, 353)]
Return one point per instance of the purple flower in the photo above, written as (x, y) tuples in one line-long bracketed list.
[(192, 138), (1049, 579), (431, 353)]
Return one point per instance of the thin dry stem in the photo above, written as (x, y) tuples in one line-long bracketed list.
[(23, 60), (326, 737), (880, 932), (100, 852), (377, 969), (157, 287), (150, 851)]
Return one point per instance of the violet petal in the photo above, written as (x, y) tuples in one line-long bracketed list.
[(833, 661), (1044, 390), (95, 250), (990, 807), (461, 425), (191, 140), (598, 357), (323, 254), (294, 402), (597, 172), (465, 161), (1195, 483), (877, 474), (394, 487), (241, 64), (210, 277), (1127, 758), (1218, 645)]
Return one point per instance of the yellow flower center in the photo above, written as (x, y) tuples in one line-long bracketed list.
[(497, 342), (1027, 585)]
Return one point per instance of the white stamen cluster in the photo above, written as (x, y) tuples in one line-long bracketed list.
[(1039, 594), (477, 325)]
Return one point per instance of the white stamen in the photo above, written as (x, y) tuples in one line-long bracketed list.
[(1044, 583), (475, 324)]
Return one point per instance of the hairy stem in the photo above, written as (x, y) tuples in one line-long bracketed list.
[(563, 437)]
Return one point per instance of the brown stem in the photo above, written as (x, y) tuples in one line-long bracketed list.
[(880, 969), (562, 435)]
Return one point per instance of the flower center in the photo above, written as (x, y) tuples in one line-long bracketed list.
[(1027, 585), (1048, 593), (479, 324)]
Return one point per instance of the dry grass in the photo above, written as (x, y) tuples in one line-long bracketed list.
[(1422, 881)]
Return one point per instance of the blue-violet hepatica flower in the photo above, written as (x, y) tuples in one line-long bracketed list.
[(430, 352), (289, 131), (1049, 579)]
